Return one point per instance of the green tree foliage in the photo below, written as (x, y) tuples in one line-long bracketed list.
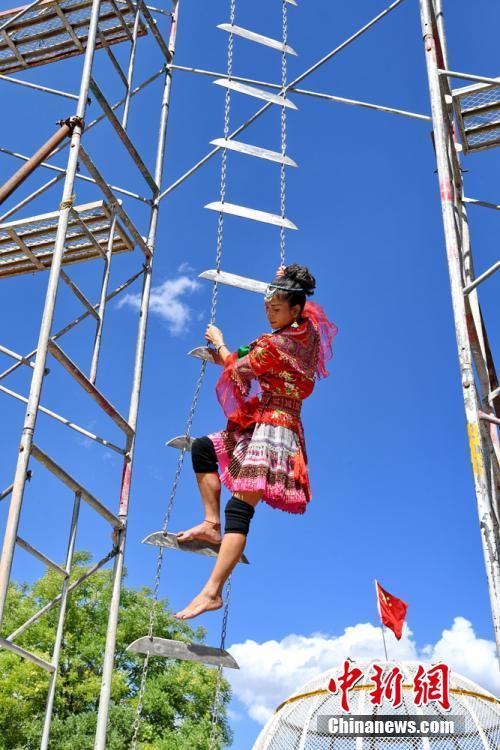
[(179, 694)]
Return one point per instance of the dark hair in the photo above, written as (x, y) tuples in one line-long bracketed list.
[(295, 285)]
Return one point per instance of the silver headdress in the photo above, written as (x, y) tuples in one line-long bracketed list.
[(273, 289)]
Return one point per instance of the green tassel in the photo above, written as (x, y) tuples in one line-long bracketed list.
[(243, 350)]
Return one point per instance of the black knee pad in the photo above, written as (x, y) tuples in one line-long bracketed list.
[(238, 516), (203, 455)]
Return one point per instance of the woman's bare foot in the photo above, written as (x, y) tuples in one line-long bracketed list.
[(206, 531), (201, 603)]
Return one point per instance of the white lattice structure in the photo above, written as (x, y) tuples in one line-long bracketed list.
[(294, 724), (477, 109)]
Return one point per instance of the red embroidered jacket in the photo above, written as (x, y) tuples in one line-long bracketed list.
[(269, 383)]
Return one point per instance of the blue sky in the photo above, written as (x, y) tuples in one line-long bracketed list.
[(393, 495)]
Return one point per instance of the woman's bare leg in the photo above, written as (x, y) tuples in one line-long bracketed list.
[(230, 552), (209, 486)]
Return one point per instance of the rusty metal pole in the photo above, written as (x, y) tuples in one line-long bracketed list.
[(479, 457), (65, 131)]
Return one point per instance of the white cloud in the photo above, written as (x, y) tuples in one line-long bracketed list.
[(166, 301), (185, 268), (271, 671), (471, 656)]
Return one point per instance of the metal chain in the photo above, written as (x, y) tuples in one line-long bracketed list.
[(216, 706), (159, 559), (180, 461), (212, 743), (283, 129), (223, 171)]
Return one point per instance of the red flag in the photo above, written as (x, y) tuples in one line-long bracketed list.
[(392, 610)]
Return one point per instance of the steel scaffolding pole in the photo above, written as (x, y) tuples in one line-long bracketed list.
[(60, 625), (109, 654), (465, 316), (47, 318)]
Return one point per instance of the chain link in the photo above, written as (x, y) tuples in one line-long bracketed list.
[(159, 559), (214, 728), (180, 461), (223, 171), (283, 129), (216, 706)]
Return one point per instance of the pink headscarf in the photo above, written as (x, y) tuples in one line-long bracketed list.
[(326, 330)]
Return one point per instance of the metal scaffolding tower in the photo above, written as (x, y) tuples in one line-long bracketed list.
[(476, 110), (41, 33), (52, 30)]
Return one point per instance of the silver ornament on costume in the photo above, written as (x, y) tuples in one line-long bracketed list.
[(273, 289)]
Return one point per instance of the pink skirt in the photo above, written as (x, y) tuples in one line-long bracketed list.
[(261, 459)]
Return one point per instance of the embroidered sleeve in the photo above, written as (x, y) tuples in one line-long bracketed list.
[(251, 361), (238, 386), (263, 357), (242, 374)]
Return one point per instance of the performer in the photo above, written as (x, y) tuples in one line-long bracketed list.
[(261, 455)]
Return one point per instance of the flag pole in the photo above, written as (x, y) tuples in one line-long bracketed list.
[(383, 636), (381, 623)]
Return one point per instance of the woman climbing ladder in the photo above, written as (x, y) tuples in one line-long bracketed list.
[(261, 454)]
